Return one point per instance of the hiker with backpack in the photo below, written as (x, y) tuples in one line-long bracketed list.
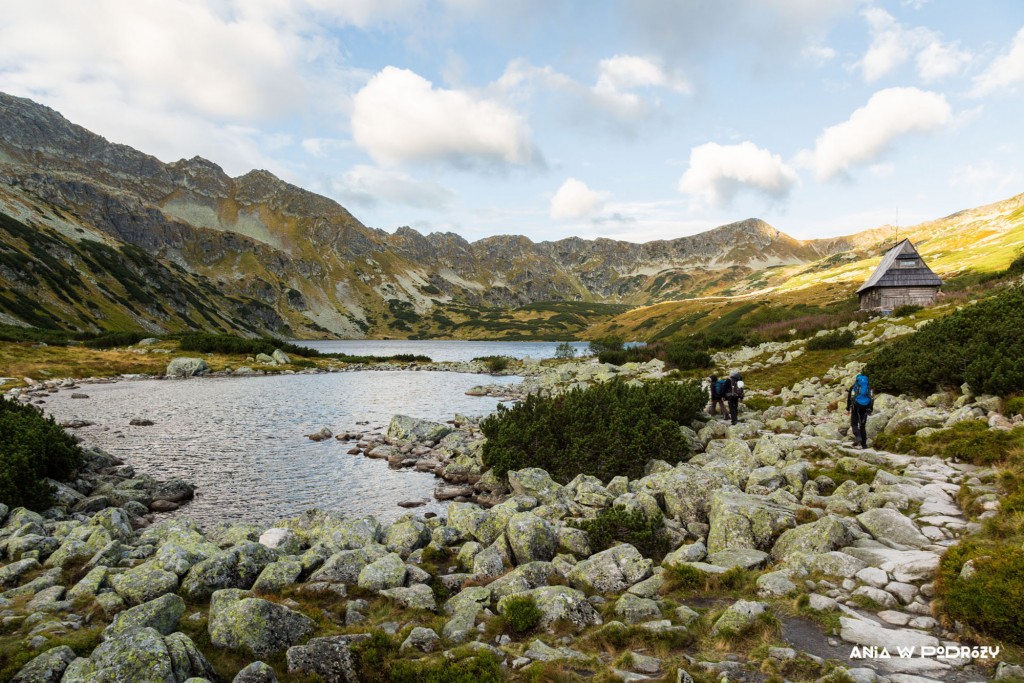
[(716, 385), (732, 390), (859, 404)]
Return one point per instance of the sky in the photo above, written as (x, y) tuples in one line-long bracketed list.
[(628, 119)]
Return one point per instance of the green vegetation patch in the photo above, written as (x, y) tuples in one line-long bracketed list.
[(970, 441), (989, 600), (618, 525), (607, 430), (840, 339), (980, 344), (32, 448), (521, 614)]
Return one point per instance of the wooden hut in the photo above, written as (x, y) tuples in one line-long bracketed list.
[(901, 278)]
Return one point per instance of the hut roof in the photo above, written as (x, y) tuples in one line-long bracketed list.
[(892, 272)]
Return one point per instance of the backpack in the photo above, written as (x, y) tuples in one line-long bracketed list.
[(861, 391), (720, 387)]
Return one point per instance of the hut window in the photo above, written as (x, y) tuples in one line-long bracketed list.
[(908, 263)]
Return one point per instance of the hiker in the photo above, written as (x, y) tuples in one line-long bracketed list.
[(716, 386), (733, 392), (859, 404)]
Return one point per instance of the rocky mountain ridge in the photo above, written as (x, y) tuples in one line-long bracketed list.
[(273, 257)]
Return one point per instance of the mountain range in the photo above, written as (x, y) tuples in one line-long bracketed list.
[(97, 236)]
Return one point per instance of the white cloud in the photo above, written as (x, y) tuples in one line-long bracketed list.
[(575, 200), (371, 186), (893, 44), (1006, 71), (718, 172), (322, 147), (985, 179), (871, 130), (400, 116), (818, 54)]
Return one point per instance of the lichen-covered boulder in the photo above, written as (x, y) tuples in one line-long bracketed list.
[(342, 567), (418, 596), (352, 534), (140, 656), (740, 520), (573, 541), (182, 549), (257, 672), (611, 571), (466, 518), (531, 538), (632, 609), (694, 552), (257, 626), (12, 573), (745, 558), (536, 483), (822, 536), (886, 524), (49, 667), (186, 367), (917, 419), (488, 562), (479, 596), (387, 572), (834, 563), (277, 575), (116, 521), (282, 540), (405, 537), (737, 617), (330, 658), (521, 579), (559, 604), (404, 429), (422, 639), (161, 614), (686, 490), (236, 567), (144, 583)]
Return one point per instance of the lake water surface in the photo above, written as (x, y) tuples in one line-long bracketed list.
[(440, 350), (241, 441)]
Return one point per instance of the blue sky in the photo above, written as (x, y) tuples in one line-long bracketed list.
[(636, 119)]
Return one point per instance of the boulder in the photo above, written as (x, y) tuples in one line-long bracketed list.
[(186, 367), (531, 538), (740, 520), (259, 627), (886, 524), (404, 429), (822, 536), (559, 604), (418, 596), (745, 558), (611, 571), (694, 552), (285, 541), (141, 656), (342, 567), (422, 639), (536, 483), (329, 658), (406, 536), (257, 672), (161, 614), (387, 572), (632, 609), (277, 576), (49, 667), (236, 567), (738, 617), (144, 583)]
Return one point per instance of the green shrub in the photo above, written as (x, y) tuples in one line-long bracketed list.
[(109, 340), (521, 614), (683, 356), (619, 357), (610, 343), (980, 344), (906, 309), (605, 430), (1014, 406), (840, 339), (495, 364), (565, 351), (619, 525), (990, 600), (377, 660), (32, 448), (971, 441)]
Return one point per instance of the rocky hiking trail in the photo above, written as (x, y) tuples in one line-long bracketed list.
[(788, 556)]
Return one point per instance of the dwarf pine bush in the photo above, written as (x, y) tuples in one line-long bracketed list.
[(980, 344), (32, 448), (606, 430)]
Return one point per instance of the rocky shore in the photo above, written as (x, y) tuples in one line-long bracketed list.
[(777, 534)]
